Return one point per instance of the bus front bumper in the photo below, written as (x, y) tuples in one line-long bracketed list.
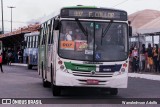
[(67, 79)]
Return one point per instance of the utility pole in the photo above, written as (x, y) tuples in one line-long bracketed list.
[(2, 17), (11, 7)]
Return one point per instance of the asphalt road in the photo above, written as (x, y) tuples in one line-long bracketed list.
[(19, 82)]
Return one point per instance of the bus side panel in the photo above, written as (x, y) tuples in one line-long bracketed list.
[(41, 52), (55, 52), (42, 61)]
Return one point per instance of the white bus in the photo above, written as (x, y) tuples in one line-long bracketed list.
[(85, 46)]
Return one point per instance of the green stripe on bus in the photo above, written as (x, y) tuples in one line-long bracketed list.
[(81, 7), (79, 67)]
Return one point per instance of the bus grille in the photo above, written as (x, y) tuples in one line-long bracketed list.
[(89, 74)]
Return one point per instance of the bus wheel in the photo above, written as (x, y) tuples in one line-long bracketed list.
[(46, 83), (56, 90), (29, 66), (113, 91)]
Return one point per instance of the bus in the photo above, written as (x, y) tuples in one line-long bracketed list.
[(85, 46), (1, 47), (30, 54)]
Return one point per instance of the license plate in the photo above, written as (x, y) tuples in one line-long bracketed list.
[(92, 82)]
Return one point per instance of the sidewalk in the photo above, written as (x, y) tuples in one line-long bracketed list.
[(145, 76)]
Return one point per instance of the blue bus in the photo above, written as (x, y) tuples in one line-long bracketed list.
[(30, 54)]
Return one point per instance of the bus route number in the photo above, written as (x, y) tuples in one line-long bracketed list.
[(68, 45), (78, 13)]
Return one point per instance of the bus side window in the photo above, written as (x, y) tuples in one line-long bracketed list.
[(52, 31), (44, 34), (49, 33), (42, 39), (33, 42), (36, 43), (41, 36), (29, 41)]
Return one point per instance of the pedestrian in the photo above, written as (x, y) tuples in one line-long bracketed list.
[(149, 57), (10, 55), (130, 58), (19, 56), (142, 57), (1, 62), (135, 63), (155, 57)]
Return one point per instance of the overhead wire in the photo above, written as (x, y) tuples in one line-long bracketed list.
[(120, 3)]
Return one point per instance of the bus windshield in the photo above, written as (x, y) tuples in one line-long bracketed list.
[(93, 42)]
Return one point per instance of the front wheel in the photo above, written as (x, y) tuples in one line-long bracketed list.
[(56, 90), (46, 84), (114, 91)]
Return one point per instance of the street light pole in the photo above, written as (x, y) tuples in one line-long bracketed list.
[(2, 17), (11, 15)]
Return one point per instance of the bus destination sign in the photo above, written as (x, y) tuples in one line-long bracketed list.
[(94, 14)]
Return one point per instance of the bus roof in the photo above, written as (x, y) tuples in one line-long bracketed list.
[(32, 34), (80, 6), (90, 7)]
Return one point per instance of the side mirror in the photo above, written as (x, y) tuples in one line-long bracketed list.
[(130, 31), (56, 24)]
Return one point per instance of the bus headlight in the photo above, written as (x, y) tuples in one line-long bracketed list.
[(66, 70), (122, 69), (116, 73), (62, 67)]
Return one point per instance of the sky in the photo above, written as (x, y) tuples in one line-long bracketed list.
[(27, 11)]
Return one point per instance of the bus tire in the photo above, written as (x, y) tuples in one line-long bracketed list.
[(46, 84), (114, 91), (56, 90), (29, 66)]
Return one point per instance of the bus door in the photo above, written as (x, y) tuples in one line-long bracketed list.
[(42, 50), (49, 56), (48, 51)]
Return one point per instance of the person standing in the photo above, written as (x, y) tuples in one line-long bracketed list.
[(1, 63), (149, 57), (142, 57), (155, 57), (20, 56), (9, 57), (131, 58), (135, 60)]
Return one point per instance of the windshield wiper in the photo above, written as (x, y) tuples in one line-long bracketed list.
[(105, 31), (82, 28)]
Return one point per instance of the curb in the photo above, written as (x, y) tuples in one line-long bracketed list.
[(18, 64), (145, 76)]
